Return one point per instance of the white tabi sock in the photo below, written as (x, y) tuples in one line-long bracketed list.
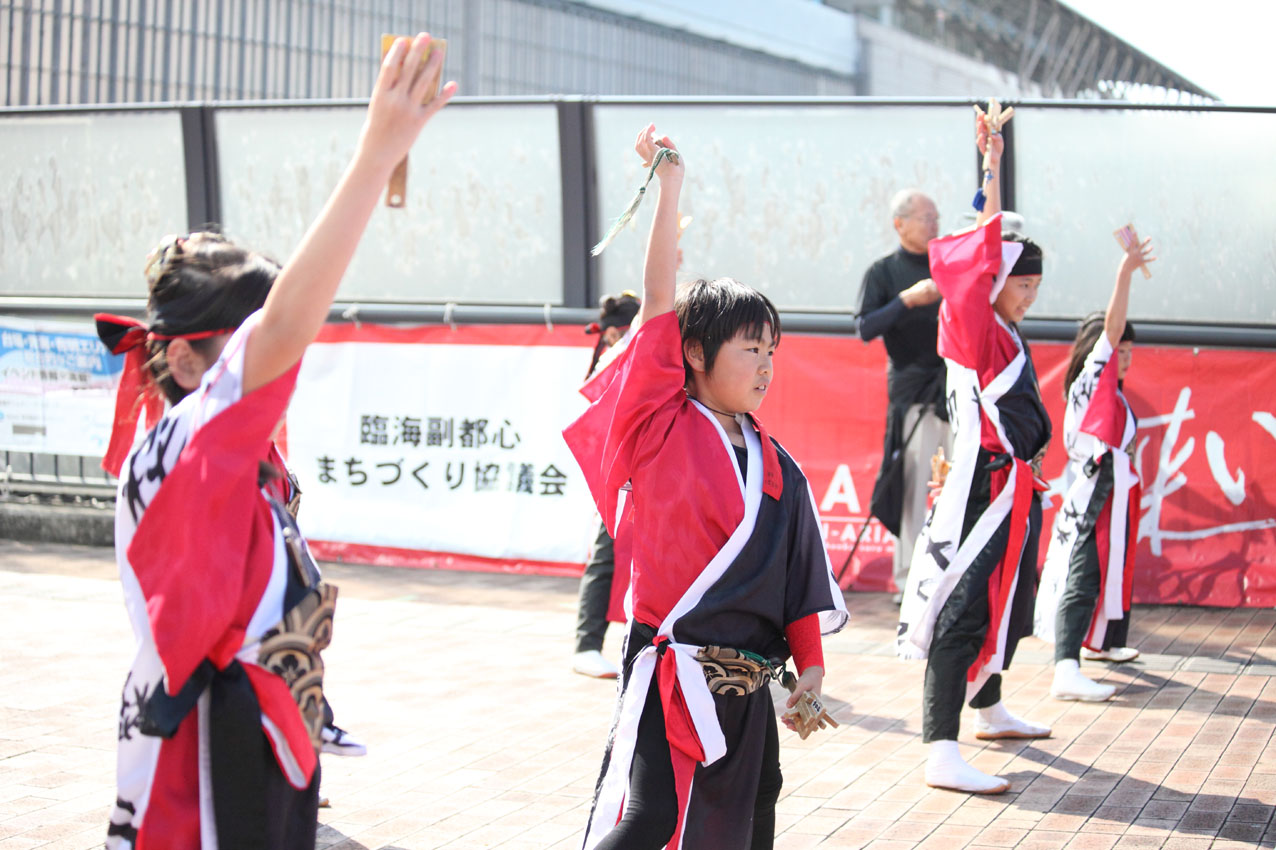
[(997, 722), (945, 768), (1070, 684)]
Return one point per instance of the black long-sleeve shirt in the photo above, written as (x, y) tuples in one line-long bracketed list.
[(910, 335)]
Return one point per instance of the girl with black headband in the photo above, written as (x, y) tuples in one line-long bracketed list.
[(222, 711), (601, 595), (1086, 583), (971, 585)]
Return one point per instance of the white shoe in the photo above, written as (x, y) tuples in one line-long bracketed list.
[(995, 723), (945, 768), (1070, 684), (338, 742), (1117, 654), (591, 663)]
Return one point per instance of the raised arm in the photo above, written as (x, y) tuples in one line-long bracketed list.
[(992, 181), (1119, 303), (299, 301), (659, 278)]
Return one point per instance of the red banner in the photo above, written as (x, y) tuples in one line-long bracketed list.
[(1206, 452)]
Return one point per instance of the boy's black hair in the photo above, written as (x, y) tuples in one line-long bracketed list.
[(711, 312), (1087, 334), (1030, 259), (207, 283)]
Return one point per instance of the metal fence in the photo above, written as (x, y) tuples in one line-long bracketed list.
[(134, 51), (38, 474), (789, 195)]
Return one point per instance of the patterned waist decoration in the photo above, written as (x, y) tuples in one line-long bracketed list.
[(292, 650), (735, 672)]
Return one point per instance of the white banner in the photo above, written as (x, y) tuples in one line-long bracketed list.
[(57, 387), (451, 448)]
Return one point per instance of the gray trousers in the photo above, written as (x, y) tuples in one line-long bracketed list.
[(595, 593), (931, 433)]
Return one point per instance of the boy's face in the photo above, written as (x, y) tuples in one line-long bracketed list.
[(1017, 296), (741, 374)]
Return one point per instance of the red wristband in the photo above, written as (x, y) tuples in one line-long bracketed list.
[(804, 642)]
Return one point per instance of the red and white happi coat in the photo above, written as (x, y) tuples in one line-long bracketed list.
[(619, 602), (1097, 424), (986, 360), (697, 542), (203, 569)]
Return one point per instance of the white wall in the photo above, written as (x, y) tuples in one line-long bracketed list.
[(806, 32), (897, 64)]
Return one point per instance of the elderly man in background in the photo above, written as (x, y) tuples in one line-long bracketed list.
[(899, 303)]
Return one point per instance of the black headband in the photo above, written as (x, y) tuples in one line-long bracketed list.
[(620, 317), (1026, 265)]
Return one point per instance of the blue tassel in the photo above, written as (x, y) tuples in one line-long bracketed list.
[(980, 197)]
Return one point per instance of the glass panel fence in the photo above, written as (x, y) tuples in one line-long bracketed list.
[(483, 220), (84, 197), (1199, 183), (791, 199)]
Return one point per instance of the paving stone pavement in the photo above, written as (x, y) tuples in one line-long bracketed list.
[(481, 736)]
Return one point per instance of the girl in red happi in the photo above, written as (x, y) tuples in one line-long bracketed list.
[(1084, 603), (222, 710)]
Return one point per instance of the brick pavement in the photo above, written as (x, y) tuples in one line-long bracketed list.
[(481, 737)]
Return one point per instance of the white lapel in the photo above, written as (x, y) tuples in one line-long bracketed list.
[(751, 491)]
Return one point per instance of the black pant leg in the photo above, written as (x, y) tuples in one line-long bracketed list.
[(595, 593), (1024, 602), (959, 634), (1076, 603), (1118, 633), (295, 814), (988, 695), (769, 785), (651, 811)]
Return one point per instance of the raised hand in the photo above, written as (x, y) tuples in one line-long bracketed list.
[(1137, 254), (983, 136), (990, 143), (648, 144), (298, 302), (401, 104)]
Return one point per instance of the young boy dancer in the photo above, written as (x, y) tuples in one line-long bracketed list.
[(729, 570), (970, 589)]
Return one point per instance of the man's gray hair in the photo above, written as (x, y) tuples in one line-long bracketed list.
[(902, 202)]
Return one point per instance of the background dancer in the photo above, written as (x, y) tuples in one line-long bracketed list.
[(971, 586), (218, 733), (900, 303), (615, 314), (1092, 548), (729, 568)]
